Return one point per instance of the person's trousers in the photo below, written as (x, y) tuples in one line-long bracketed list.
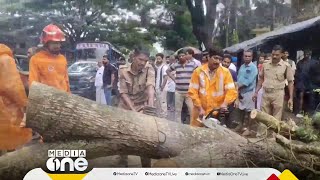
[(170, 100), (161, 103), (180, 98), (100, 97), (272, 104), (107, 93), (303, 101), (259, 98)]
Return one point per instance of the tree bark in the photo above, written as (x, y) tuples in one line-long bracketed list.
[(272, 122), (17, 164), (57, 116), (203, 24), (70, 122)]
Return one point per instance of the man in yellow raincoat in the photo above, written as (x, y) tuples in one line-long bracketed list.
[(211, 87), (13, 100)]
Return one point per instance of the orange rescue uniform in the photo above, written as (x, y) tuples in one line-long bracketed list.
[(210, 91), (50, 70), (13, 100)]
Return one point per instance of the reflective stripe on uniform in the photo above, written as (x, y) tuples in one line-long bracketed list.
[(215, 94), (229, 86), (220, 91), (194, 86), (203, 91), (202, 79)]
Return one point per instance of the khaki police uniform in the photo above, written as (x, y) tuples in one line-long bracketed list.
[(274, 80), (135, 85)]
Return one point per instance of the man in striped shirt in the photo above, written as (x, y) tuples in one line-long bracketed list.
[(184, 70)]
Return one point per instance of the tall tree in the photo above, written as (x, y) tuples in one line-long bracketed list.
[(305, 9), (203, 15), (124, 23)]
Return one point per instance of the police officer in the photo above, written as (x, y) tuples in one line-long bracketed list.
[(272, 79), (136, 88)]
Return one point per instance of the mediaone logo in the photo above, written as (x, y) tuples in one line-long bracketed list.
[(67, 161)]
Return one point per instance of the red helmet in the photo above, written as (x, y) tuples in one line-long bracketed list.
[(52, 33)]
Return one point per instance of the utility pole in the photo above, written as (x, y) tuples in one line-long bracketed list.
[(227, 27), (273, 4)]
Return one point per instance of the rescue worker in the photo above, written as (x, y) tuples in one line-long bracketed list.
[(13, 100), (272, 79), (137, 89), (211, 87), (48, 66)]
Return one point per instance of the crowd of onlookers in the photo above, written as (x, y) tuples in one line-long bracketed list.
[(173, 81)]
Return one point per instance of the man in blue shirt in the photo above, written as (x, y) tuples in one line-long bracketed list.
[(247, 75)]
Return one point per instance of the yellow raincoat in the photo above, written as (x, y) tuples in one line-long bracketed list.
[(210, 94), (12, 101)]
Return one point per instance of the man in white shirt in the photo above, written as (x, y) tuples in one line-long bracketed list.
[(100, 97), (161, 81), (189, 56), (289, 61), (171, 87), (233, 67)]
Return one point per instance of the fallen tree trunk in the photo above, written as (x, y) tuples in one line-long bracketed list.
[(59, 116), (17, 164), (106, 131), (273, 123)]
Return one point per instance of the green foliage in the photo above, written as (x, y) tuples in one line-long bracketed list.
[(235, 37), (181, 35), (307, 133), (79, 26), (317, 91), (316, 121)]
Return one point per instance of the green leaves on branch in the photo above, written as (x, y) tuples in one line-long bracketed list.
[(308, 132)]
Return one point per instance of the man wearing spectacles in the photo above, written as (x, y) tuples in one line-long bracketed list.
[(211, 87)]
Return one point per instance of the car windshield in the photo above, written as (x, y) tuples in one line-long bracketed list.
[(82, 67)]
